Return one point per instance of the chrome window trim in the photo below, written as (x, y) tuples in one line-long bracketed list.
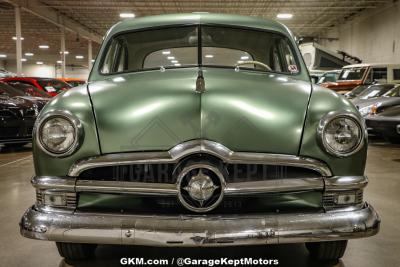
[(334, 115), (78, 132), (198, 146)]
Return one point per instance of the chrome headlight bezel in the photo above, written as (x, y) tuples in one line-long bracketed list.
[(76, 124), (328, 118)]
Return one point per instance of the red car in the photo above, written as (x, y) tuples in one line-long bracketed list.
[(49, 85)]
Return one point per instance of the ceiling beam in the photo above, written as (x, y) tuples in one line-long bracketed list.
[(37, 8)]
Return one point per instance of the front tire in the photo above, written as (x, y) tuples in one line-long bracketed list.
[(75, 251), (326, 251)]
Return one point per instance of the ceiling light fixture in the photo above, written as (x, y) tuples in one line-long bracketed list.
[(177, 65), (209, 56), (39, 62), (284, 16), (15, 38), (126, 15), (166, 52), (59, 61), (174, 61), (23, 59), (29, 54), (44, 46), (171, 58), (79, 57), (244, 57), (3, 55)]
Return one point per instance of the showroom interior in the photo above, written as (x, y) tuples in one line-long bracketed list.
[(55, 53)]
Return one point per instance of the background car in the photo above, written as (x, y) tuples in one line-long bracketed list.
[(29, 90), (72, 81), (6, 73), (17, 116), (49, 85), (360, 74), (385, 124), (370, 91), (356, 91), (372, 105)]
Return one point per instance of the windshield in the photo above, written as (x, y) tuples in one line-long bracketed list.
[(358, 90), (6, 90), (28, 90), (52, 85), (179, 47), (395, 92), (328, 77), (352, 74), (375, 91)]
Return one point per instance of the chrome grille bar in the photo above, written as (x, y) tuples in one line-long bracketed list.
[(198, 146), (268, 186)]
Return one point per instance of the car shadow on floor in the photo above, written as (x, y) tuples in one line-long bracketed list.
[(287, 255), (14, 149)]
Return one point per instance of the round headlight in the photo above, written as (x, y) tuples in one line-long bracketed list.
[(58, 133), (341, 134)]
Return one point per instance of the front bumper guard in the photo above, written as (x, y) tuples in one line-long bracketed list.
[(201, 230)]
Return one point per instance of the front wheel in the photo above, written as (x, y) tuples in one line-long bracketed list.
[(75, 251), (325, 251)]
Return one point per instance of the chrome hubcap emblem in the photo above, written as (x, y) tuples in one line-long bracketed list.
[(200, 187)]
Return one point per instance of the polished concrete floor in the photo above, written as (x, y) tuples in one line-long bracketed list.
[(383, 169)]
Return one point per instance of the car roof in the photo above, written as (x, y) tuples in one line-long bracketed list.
[(198, 18)]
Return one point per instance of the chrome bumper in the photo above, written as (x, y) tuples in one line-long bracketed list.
[(192, 231)]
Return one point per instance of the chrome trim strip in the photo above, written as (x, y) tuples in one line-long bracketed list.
[(253, 187), (126, 187), (201, 230), (274, 186), (138, 188), (198, 146), (345, 183), (53, 183)]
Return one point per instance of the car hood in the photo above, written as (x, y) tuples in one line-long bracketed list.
[(15, 102), (19, 106), (156, 110)]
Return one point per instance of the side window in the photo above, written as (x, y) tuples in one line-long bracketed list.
[(288, 58), (109, 60), (277, 64), (379, 74), (396, 74)]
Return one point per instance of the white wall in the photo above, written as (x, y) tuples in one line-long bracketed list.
[(373, 36), (49, 71), (32, 69)]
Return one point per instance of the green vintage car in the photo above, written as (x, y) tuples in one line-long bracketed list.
[(199, 130)]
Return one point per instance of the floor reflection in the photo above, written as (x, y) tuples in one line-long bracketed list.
[(288, 255)]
